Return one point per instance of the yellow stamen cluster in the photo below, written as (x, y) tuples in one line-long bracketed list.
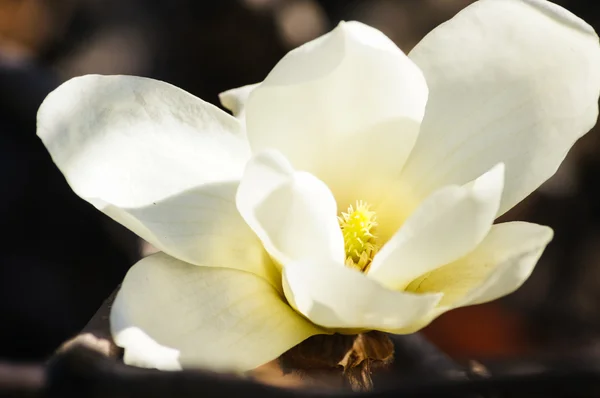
[(358, 227)]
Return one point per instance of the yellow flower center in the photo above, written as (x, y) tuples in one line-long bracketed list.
[(358, 226)]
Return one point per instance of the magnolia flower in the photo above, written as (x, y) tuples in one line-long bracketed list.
[(355, 189)]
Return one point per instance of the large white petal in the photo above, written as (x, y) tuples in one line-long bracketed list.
[(171, 315), (512, 81), (130, 141), (293, 213), (448, 224), (346, 104), (497, 267), (156, 159), (338, 297)]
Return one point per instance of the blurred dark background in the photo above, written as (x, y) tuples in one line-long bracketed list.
[(60, 258)]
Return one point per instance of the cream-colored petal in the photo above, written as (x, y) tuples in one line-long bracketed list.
[(156, 159), (293, 213), (512, 81), (447, 225), (338, 297), (129, 141), (236, 98), (345, 105), (171, 315), (201, 226), (497, 267)]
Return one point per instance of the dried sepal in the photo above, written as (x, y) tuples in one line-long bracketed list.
[(346, 359)]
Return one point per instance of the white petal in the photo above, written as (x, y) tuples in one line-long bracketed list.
[(293, 213), (172, 315), (509, 81), (156, 159), (338, 297), (346, 104), (448, 224), (130, 141), (201, 226), (497, 267), (236, 98)]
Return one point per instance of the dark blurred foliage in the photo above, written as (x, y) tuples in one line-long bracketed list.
[(60, 258)]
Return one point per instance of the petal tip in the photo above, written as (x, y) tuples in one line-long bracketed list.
[(548, 234), (228, 100), (235, 99), (498, 170), (562, 15), (491, 182), (143, 351), (435, 299), (365, 34)]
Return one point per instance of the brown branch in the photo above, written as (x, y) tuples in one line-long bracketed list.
[(21, 380), (83, 372), (86, 373)]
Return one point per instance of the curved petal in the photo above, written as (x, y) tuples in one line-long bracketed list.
[(512, 81), (337, 297), (293, 213), (497, 267), (172, 315), (323, 102), (129, 141), (156, 159), (236, 98), (449, 224), (201, 226)]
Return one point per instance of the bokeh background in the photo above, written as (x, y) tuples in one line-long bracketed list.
[(60, 258)]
